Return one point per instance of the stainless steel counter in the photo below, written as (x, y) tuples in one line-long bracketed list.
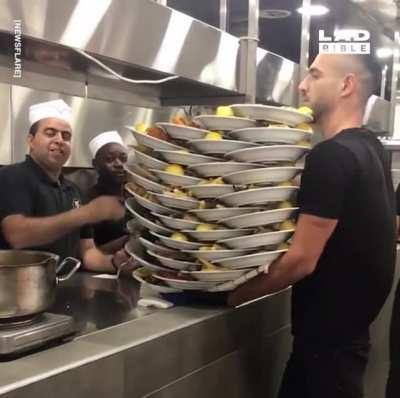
[(124, 351)]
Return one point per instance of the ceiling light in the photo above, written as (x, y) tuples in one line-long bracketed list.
[(313, 10), (384, 52)]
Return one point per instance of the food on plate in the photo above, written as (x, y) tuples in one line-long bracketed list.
[(212, 181), (287, 224), (207, 266), (190, 217), (157, 132), (202, 204), (179, 120), (176, 169), (305, 110), (304, 126), (210, 247), (179, 236), (304, 143), (205, 227), (284, 184), (285, 204), (213, 135), (224, 111), (141, 127), (283, 246), (177, 193), (279, 125)]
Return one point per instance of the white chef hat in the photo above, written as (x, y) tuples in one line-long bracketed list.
[(102, 139), (56, 108)]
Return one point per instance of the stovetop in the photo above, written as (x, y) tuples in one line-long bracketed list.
[(48, 327)]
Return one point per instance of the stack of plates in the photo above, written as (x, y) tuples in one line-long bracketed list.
[(223, 212)]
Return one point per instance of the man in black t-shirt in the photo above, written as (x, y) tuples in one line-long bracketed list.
[(39, 209), (342, 256)]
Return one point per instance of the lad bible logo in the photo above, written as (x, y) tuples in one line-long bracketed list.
[(344, 41)]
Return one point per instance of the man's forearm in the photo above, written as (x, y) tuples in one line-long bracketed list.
[(97, 261), (282, 273), (21, 231)]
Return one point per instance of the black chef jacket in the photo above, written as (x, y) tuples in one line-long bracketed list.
[(26, 189), (106, 231)]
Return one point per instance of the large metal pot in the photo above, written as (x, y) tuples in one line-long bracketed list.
[(28, 280)]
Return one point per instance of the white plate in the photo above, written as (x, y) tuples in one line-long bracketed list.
[(263, 175), (271, 153), (217, 276), (217, 214), (152, 142), (157, 288), (173, 263), (258, 240), (149, 162), (271, 113), (177, 223), (225, 123), (150, 205), (186, 285), (185, 158), (142, 262), (213, 255), (250, 260), (157, 248), (181, 132), (204, 191), (217, 169), (260, 218), (177, 244), (219, 147), (145, 182), (130, 204), (216, 234), (176, 180), (258, 196), (177, 202), (283, 135)]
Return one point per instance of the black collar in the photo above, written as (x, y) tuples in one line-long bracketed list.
[(41, 174)]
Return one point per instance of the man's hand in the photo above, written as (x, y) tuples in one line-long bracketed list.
[(122, 261), (104, 208)]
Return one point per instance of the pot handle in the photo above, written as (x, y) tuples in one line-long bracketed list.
[(70, 273)]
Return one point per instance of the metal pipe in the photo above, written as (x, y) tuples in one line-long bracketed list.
[(383, 81), (395, 74), (248, 54), (223, 14), (305, 40)]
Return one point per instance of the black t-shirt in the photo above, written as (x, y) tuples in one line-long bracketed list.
[(347, 178), (26, 189), (106, 231), (398, 200)]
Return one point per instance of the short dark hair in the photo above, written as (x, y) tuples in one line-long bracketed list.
[(34, 128), (373, 73)]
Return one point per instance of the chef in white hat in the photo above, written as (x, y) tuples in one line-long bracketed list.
[(40, 209), (109, 155)]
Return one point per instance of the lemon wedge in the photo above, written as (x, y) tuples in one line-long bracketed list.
[(176, 169), (224, 111)]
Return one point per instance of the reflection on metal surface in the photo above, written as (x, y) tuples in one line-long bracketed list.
[(277, 78), (83, 22), (394, 119), (376, 115), (305, 40), (248, 54), (223, 14)]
